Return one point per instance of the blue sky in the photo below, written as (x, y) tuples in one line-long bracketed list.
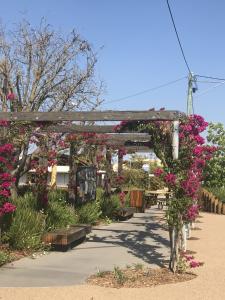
[(140, 47)]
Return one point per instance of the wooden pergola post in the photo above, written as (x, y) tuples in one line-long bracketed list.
[(120, 164), (72, 188), (108, 172)]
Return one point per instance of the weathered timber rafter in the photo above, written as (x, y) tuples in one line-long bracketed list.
[(80, 128), (124, 137), (90, 116)]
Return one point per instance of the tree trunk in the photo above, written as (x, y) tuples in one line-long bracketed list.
[(14, 191), (120, 165), (42, 179), (108, 173), (72, 174), (174, 248)]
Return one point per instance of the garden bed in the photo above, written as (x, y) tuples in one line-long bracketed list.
[(8, 255), (137, 277)]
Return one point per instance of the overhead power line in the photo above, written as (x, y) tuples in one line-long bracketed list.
[(209, 89), (181, 48), (210, 77), (146, 91), (206, 81)]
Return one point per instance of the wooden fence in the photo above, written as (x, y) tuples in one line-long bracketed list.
[(211, 203)]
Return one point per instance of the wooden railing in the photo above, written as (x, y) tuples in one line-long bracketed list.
[(211, 203)]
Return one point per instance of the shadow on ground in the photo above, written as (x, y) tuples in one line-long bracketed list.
[(149, 243)]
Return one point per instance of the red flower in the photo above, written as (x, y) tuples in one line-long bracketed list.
[(170, 179), (158, 172), (11, 96), (8, 207)]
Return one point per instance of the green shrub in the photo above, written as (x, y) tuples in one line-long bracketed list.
[(57, 195), (119, 276), (135, 178), (108, 205), (89, 213), (26, 229), (5, 257), (156, 183), (219, 192), (27, 201), (59, 214)]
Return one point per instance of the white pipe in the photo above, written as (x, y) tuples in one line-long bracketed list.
[(175, 139)]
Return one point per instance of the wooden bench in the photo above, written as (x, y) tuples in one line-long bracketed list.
[(86, 227), (64, 239)]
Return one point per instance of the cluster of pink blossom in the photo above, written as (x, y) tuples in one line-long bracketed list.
[(4, 123), (6, 179), (169, 178), (197, 154), (158, 172), (11, 96), (190, 260), (121, 152), (194, 155), (6, 148), (7, 208), (192, 212), (120, 126)]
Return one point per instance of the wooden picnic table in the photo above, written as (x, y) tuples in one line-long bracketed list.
[(153, 197)]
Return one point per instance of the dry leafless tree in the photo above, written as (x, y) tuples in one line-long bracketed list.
[(46, 71)]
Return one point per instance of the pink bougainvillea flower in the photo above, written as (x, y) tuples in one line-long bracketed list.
[(8, 207), (6, 148), (199, 139), (5, 193), (158, 172), (11, 96), (6, 184), (170, 179), (194, 264), (4, 123), (198, 150)]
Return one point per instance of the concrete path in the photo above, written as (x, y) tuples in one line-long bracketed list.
[(142, 239), (208, 242)]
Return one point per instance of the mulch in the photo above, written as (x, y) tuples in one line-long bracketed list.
[(138, 278)]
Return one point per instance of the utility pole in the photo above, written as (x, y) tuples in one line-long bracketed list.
[(190, 95), (192, 88)]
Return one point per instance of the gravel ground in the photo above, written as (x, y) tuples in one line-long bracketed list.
[(208, 242)]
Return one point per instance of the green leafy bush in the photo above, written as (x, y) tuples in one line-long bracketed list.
[(219, 192), (26, 229), (214, 172), (57, 194), (27, 201), (135, 178), (156, 183), (59, 215), (89, 213), (5, 257), (108, 205)]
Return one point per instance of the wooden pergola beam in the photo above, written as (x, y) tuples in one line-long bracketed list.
[(90, 116), (125, 137), (80, 128), (130, 144), (133, 149)]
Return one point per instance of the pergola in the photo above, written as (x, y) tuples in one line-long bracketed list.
[(132, 141)]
